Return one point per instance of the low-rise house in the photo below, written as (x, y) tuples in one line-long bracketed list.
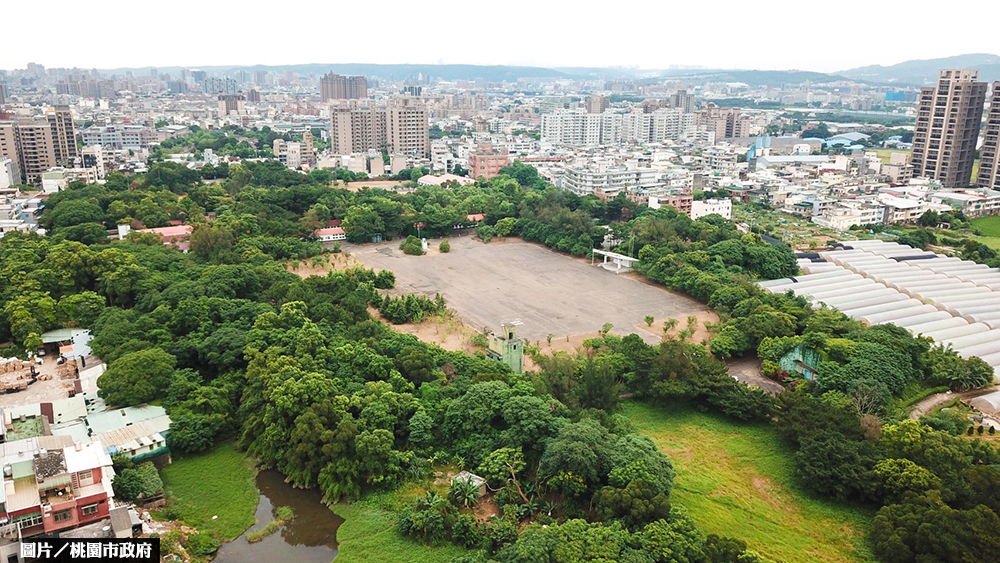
[(51, 484), (330, 234)]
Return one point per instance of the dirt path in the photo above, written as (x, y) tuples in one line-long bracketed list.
[(924, 406)]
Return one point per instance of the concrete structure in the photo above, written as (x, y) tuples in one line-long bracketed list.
[(597, 103), (60, 119), (723, 207), (506, 347), (51, 484), (682, 101), (36, 150), (9, 173), (725, 122), (989, 164), (680, 202), (336, 87), (578, 128), (120, 137), (605, 179), (486, 161), (947, 128), (232, 104), (402, 130)]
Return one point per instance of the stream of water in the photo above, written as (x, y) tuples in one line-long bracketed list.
[(310, 538)]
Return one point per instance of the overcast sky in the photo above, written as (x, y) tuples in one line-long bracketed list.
[(780, 34)]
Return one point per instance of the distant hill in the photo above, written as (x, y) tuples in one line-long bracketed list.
[(496, 73), (491, 73), (754, 77), (925, 72)]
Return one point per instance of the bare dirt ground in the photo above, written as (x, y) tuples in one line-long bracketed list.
[(445, 331), (549, 292), (329, 263)]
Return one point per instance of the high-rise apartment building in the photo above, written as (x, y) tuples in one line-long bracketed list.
[(60, 120), (120, 137), (336, 87), (232, 104), (725, 122), (578, 128), (8, 149), (36, 147), (597, 103), (947, 128), (3, 94), (402, 130), (989, 163), (683, 101)]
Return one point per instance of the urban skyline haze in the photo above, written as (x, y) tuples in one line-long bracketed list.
[(733, 35)]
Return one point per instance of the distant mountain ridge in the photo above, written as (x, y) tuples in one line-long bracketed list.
[(496, 73), (924, 72)]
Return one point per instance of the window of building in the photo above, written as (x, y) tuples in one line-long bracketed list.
[(86, 475), (89, 510), (62, 516), (33, 520)]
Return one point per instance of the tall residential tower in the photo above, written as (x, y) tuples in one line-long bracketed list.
[(989, 164), (948, 120)]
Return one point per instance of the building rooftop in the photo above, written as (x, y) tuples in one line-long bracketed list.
[(49, 463)]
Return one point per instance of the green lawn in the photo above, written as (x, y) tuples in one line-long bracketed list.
[(989, 226), (219, 482), (737, 480), (884, 154), (369, 532)]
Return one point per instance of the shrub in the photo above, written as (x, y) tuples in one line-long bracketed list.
[(993, 430), (385, 280), (485, 233), (412, 246), (980, 430), (444, 246), (202, 544)]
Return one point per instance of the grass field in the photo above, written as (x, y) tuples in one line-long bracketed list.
[(884, 154), (369, 532), (989, 226), (737, 480), (220, 483)]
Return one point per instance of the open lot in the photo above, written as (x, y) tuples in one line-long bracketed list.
[(738, 480), (549, 292)]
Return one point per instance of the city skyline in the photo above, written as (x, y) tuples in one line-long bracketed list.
[(772, 39)]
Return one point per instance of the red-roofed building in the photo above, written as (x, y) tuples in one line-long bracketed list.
[(330, 234), (176, 235), (471, 221), (334, 222)]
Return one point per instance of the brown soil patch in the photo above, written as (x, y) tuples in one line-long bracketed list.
[(701, 333), (445, 331), (322, 265), (485, 509)]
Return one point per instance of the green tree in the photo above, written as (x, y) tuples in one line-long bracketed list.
[(136, 483), (137, 377), (923, 528)]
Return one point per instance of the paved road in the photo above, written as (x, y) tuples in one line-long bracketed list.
[(748, 371), (924, 406)]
